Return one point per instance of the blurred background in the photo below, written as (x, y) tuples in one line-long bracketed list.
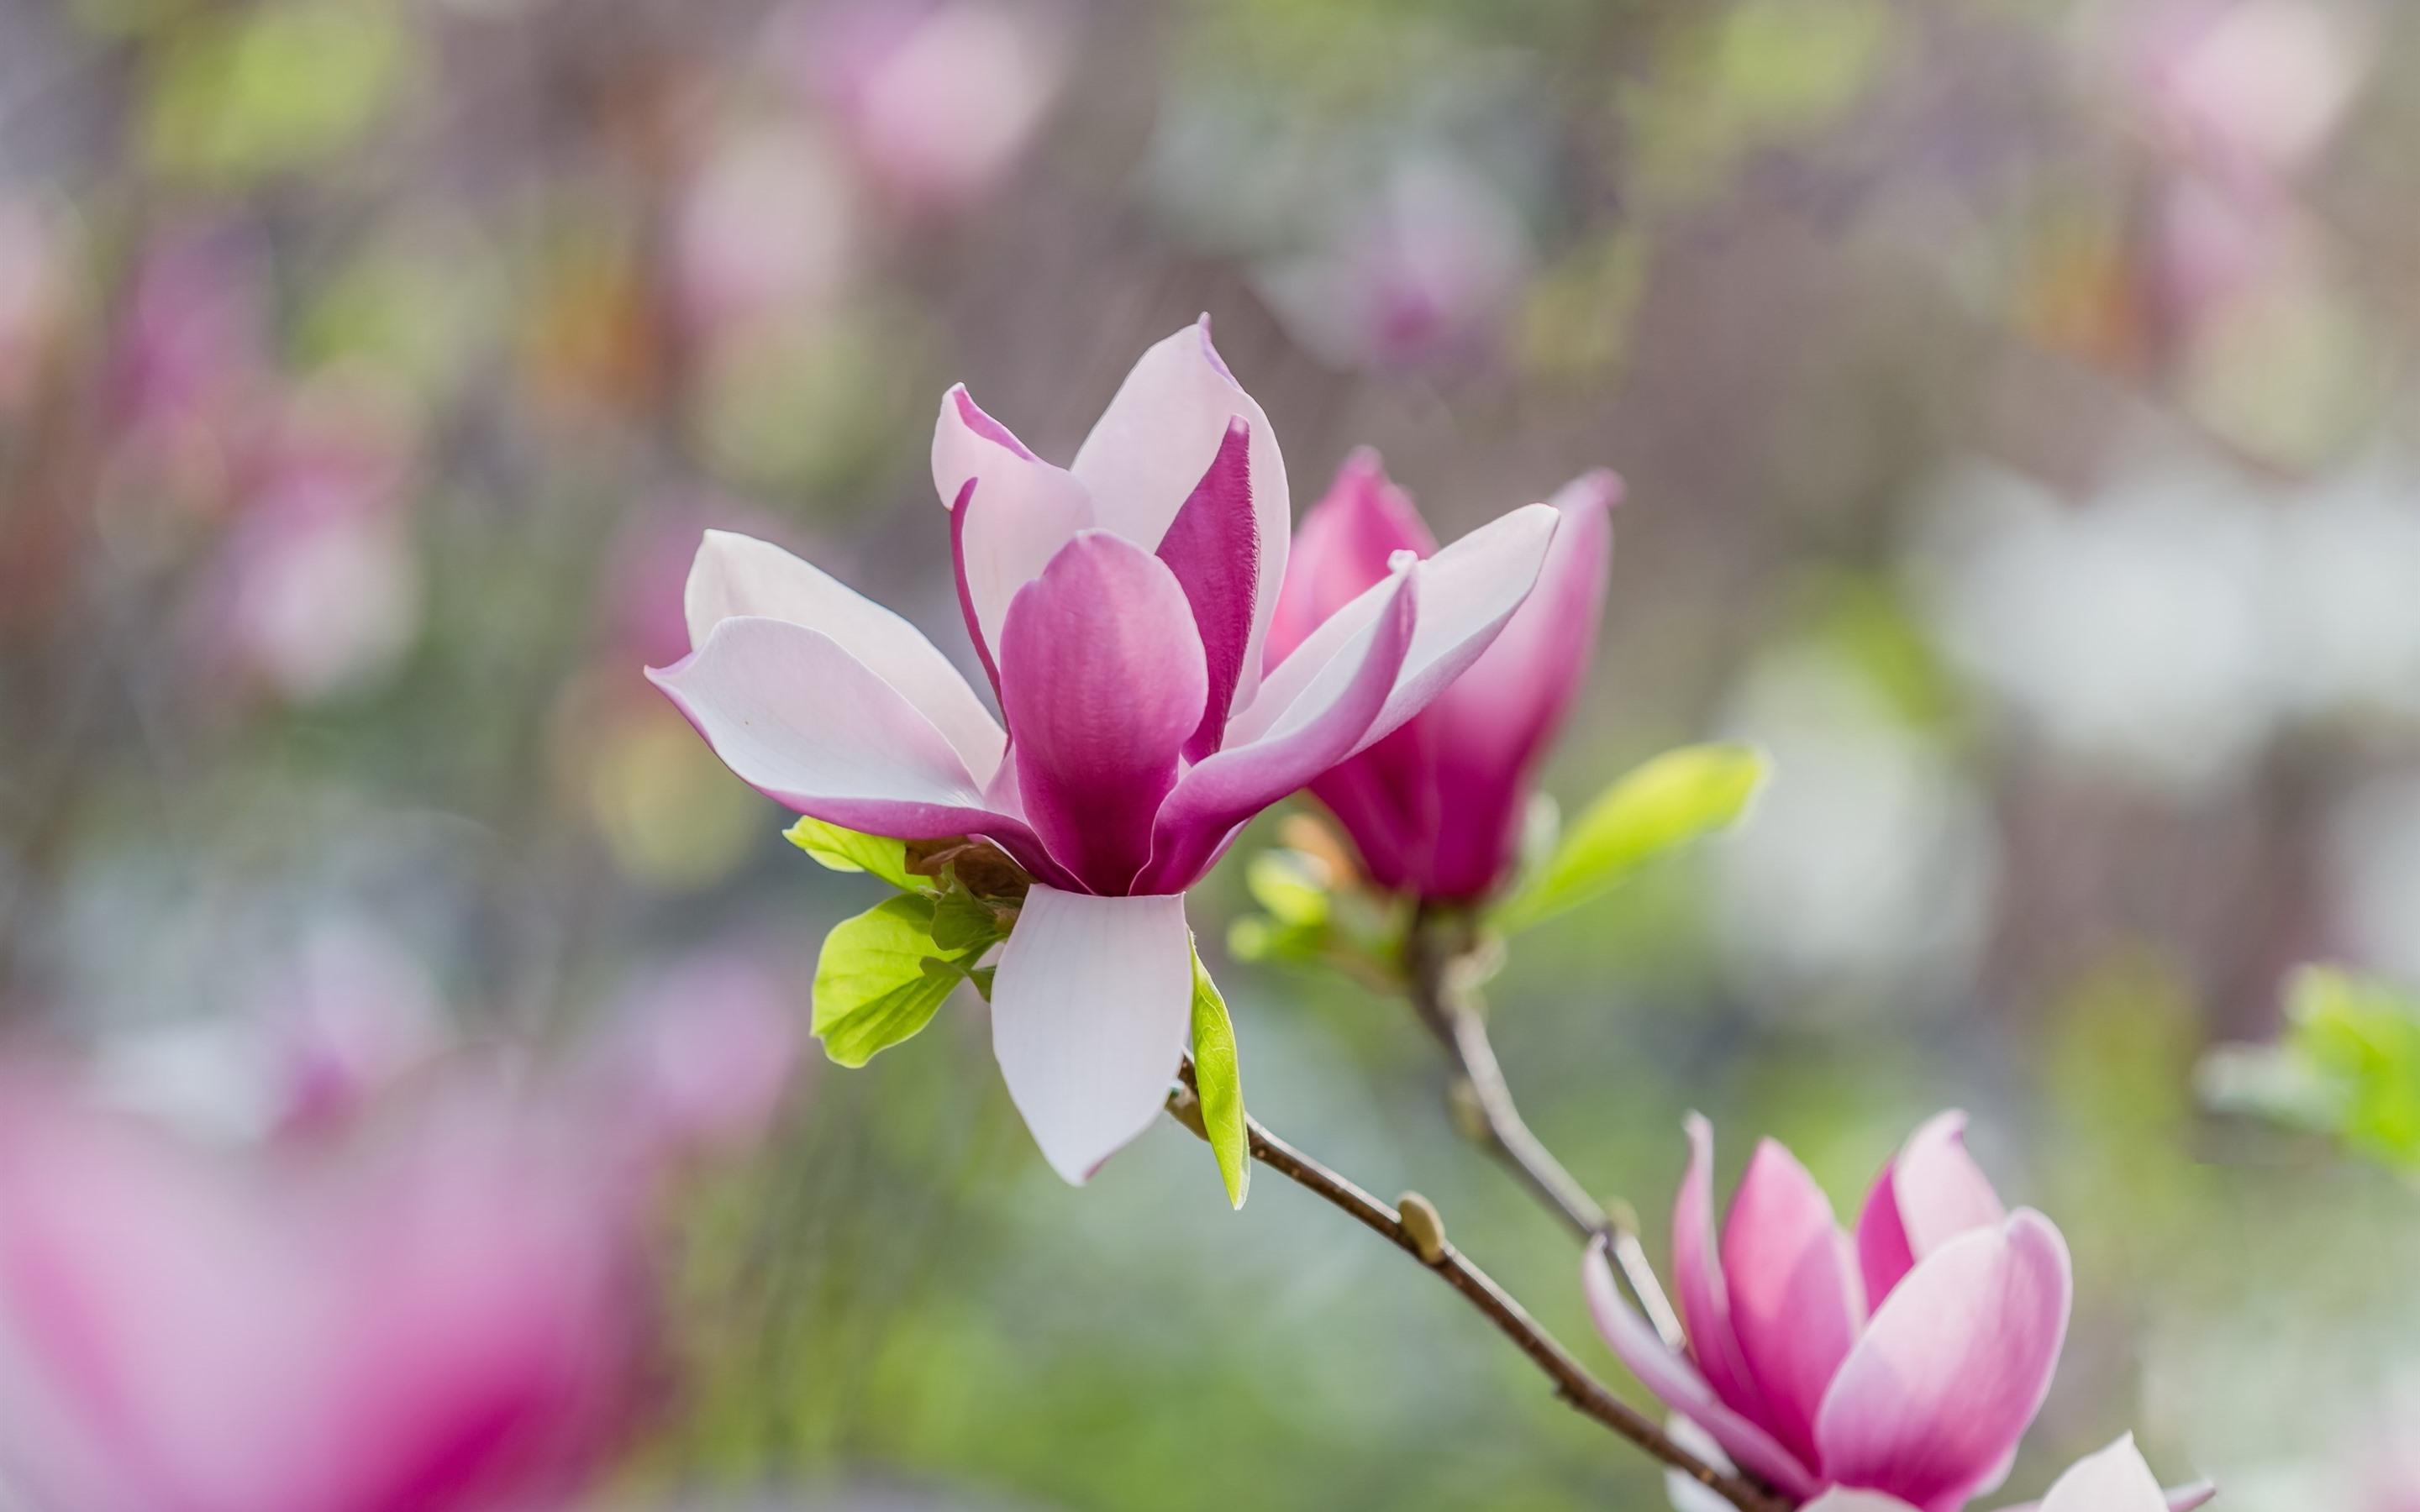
[(2017, 405)]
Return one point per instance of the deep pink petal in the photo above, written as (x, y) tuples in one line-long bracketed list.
[(1023, 511), (1490, 728), (1931, 1400), (1102, 680), (1929, 1193), (1797, 1302), (1214, 549), (1089, 1013), (1230, 787), (1343, 547), (809, 726), (736, 576), (1705, 1299), (1157, 437), (1467, 591), (1680, 1387), (1386, 802)]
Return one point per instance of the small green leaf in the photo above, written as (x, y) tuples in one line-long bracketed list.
[(1218, 1080), (964, 922), (2347, 1066), (845, 850), (2364, 1037), (880, 979), (1650, 813)]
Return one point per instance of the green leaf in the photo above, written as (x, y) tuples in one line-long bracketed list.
[(1218, 1080), (246, 92), (1291, 886), (880, 979), (845, 850), (2362, 1037), (2349, 1066), (1648, 814), (964, 922)]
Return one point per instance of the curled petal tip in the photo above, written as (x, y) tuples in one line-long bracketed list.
[(1210, 349), (662, 676)]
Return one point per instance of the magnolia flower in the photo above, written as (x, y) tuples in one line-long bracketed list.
[(1120, 607), (444, 1309), (2114, 1480), (937, 99), (1907, 1361), (1424, 269), (1436, 809)]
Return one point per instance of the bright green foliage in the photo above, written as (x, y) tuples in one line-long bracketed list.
[(845, 850), (255, 91), (882, 975), (1650, 813), (1218, 1081), (2349, 1066)]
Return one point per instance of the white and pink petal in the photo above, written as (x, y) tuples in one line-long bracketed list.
[(736, 577), (1466, 592), (798, 718), (1157, 437), (1930, 1402), (1090, 1009), (1679, 1386), (1011, 512), (1932, 1191), (1321, 726)]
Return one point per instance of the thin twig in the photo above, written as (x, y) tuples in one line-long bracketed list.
[(1452, 1012), (1573, 1382)]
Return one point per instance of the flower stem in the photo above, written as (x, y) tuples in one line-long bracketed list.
[(1453, 1012), (1573, 1382)]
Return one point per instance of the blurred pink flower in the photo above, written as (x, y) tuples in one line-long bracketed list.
[(1424, 270), (935, 99), (1436, 809), (764, 229), (2247, 88), (2242, 96), (34, 290), (1121, 606), (190, 352), (701, 1056), (348, 1015), (317, 588), (442, 1310), (1907, 1362)]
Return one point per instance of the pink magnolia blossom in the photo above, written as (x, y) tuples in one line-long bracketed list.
[(937, 99), (1120, 607), (1903, 1363), (442, 1310), (2114, 1480), (1426, 270), (317, 590), (1436, 809)]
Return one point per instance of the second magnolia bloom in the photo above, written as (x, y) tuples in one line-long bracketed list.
[(1121, 608), (1436, 809), (1907, 1361)]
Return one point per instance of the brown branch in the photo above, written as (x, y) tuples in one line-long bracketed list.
[(1452, 1012), (1573, 1382)]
